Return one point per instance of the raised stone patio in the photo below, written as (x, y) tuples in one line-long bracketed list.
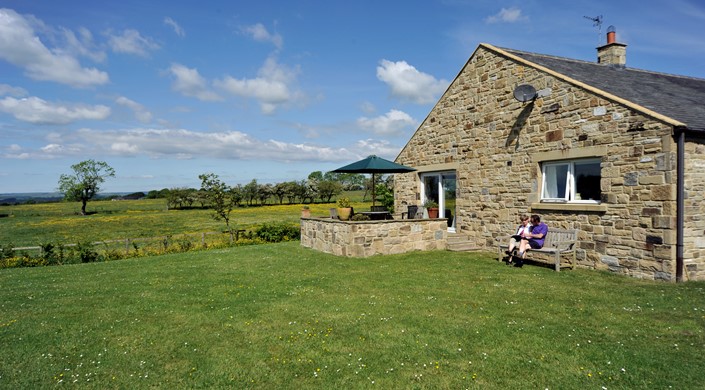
[(369, 238)]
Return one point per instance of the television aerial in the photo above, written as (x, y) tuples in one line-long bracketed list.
[(596, 22)]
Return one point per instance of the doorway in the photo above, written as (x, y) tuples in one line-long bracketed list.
[(441, 187)]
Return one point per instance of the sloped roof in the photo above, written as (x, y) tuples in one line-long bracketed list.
[(678, 97)]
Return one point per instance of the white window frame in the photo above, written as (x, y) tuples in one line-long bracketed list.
[(547, 172)]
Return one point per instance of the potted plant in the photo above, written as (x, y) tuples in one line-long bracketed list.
[(432, 208), (344, 209), (305, 212)]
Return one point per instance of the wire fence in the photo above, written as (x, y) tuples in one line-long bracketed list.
[(160, 244)]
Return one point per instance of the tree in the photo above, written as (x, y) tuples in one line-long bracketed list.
[(180, 197), (264, 192), (251, 191), (280, 190), (237, 193), (158, 194), (221, 198), (350, 181), (316, 175), (304, 191), (85, 183), (327, 189), (385, 195), (292, 191)]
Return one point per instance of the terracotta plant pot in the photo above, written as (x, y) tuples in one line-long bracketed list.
[(305, 213), (344, 213), (433, 212)]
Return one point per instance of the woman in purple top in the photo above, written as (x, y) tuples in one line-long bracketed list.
[(534, 240)]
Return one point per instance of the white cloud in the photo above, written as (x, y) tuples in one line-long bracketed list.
[(391, 123), (177, 29), (407, 83), (82, 45), (141, 113), (367, 107), (506, 15), (22, 47), (189, 82), (12, 91), (272, 87), (186, 144), (259, 33), (38, 111), (46, 152), (381, 148), (131, 42)]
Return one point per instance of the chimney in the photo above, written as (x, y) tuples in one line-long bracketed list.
[(612, 53)]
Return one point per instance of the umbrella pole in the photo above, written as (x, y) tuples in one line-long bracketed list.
[(373, 191)]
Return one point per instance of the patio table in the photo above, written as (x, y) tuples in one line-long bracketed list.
[(377, 215)]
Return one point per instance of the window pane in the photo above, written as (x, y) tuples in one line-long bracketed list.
[(587, 180), (555, 178), (449, 191), (431, 187)]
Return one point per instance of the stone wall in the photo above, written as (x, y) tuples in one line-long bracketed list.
[(497, 145), (694, 218), (368, 238)]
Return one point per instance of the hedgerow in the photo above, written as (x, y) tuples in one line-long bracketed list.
[(86, 252)]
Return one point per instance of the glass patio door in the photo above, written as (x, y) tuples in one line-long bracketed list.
[(441, 188)]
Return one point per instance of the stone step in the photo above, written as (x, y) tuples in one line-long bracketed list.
[(466, 247), (460, 243)]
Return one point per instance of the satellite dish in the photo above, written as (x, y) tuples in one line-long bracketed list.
[(524, 93)]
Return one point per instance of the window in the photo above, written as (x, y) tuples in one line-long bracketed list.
[(571, 181)]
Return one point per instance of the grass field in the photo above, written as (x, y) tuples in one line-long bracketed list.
[(282, 316), (32, 225)]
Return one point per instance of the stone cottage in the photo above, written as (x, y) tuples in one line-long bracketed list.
[(615, 152)]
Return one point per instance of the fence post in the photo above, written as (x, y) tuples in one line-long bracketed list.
[(203, 239), (127, 246)]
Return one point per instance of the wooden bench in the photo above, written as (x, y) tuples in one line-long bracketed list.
[(558, 242)]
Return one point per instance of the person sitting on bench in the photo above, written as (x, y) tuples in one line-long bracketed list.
[(515, 240), (533, 240)]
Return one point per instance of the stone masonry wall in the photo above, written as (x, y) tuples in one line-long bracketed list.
[(498, 144), (368, 238), (694, 218)]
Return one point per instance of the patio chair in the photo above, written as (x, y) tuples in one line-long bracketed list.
[(411, 213)]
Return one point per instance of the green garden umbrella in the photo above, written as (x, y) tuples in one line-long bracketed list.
[(374, 165)]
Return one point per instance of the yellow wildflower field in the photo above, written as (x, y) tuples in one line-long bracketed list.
[(61, 223)]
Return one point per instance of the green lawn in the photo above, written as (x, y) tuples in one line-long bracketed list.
[(281, 316)]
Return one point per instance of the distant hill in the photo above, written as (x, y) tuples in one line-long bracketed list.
[(44, 197), (38, 197)]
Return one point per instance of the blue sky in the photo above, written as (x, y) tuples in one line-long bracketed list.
[(271, 90)]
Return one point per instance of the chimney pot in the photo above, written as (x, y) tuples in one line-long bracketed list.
[(611, 35)]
